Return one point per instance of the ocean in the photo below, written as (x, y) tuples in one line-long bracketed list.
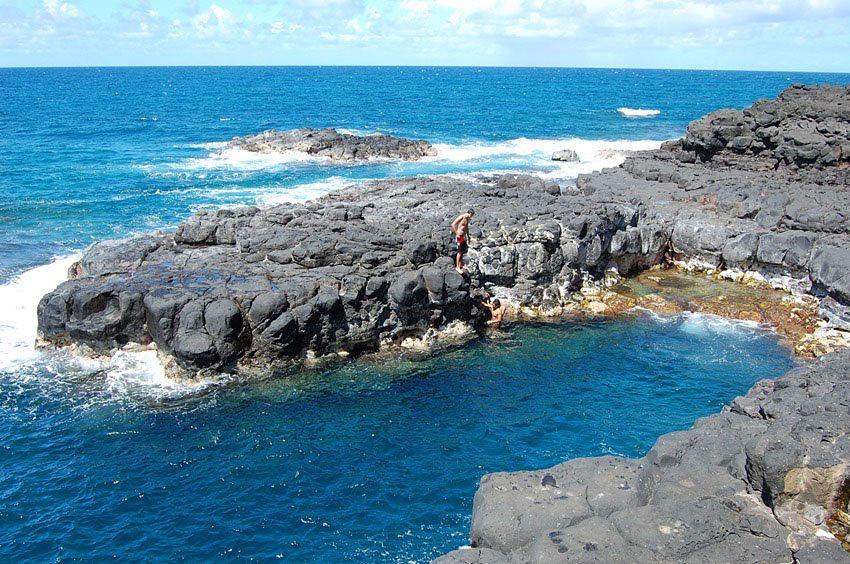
[(366, 462)]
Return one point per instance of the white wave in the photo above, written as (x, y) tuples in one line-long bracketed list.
[(20, 297), (541, 149), (709, 324), (140, 374), (303, 192), (632, 112), (520, 154), (241, 159), (129, 374), (212, 146), (653, 315), (357, 132), (523, 153)]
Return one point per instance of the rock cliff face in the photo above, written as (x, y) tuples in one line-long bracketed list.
[(334, 145), (766, 189)]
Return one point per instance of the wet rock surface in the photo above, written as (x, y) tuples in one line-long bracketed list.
[(762, 193), (332, 144)]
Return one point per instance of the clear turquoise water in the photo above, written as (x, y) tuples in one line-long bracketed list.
[(371, 462)]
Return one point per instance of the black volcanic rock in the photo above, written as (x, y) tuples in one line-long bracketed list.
[(804, 126), (372, 263), (765, 189), (330, 143)]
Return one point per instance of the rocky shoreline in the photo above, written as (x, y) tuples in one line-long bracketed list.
[(759, 194)]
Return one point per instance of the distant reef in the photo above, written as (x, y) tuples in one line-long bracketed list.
[(755, 195), (334, 145)]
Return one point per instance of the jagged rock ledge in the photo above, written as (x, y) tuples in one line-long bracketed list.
[(330, 143), (763, 190), (371, 264)]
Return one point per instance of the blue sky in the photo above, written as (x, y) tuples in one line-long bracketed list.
[(800, 35)]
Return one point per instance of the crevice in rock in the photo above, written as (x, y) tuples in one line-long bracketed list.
[(839, 521)]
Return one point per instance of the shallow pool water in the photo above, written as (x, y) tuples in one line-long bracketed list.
[(374, 461)]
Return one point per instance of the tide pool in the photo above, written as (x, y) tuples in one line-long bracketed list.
[(373, 461)]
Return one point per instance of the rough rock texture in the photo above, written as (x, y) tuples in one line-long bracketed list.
[(754, 483), (766, 189), (796, 129), (332, 144), (373, 263)]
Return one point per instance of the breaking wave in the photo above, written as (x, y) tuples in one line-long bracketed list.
[(632, 112), (134, 375)]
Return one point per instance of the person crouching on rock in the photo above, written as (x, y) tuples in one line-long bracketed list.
[(497, 311), (460, 229)]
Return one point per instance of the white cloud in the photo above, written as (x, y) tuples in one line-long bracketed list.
[(57, 9), (569, 32), (283, 27), (216, 21)]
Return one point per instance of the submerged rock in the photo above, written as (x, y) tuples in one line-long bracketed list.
[(330, 143)]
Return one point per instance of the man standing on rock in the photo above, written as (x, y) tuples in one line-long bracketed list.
[(460, 229)]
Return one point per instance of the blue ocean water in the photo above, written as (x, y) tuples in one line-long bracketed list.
[(93, 153), (370, 462)]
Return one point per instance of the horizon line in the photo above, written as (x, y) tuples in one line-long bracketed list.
[(154, 66)]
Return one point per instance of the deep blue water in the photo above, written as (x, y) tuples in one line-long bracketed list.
[(372, 462)]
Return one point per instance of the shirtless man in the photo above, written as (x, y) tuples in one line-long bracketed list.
[(497, 310), (460, 229)]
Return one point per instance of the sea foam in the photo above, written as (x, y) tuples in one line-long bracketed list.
[(272, 195), (632, 112), (465, 158), (703, 324), (20, 297), (135, 374)]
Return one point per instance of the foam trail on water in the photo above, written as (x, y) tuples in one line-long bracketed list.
[(269, 196), (520, 152), (632, 112), (520, 155), (140, 375), (538, 149), (20, 298), (212, 146), (246, 160), (709, 324)]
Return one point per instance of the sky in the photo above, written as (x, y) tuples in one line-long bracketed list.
[(788, 35)]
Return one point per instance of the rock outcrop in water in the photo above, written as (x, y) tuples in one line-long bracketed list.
[(334, 145), (762, 190)]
